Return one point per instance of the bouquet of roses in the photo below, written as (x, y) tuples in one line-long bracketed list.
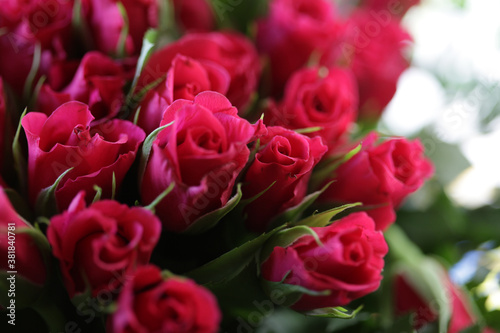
[(194, 166)]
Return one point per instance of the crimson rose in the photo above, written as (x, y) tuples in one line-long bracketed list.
[(381, 176), (67, 140), (202, 152), (97, 246), (286, 158), (151, 303), (347, 265)]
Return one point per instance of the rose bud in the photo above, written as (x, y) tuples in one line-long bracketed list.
[(66, 140), (194, 15), (376, 59), (345, 264), (286, 158), (318, 97), (185, 79), (292, 32), (230, 50), (99, 245), (381, 177), (151, 303), (97, 82), (202, 153), (21, 249), (408, 300), (106, 23)]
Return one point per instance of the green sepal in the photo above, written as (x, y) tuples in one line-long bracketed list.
[(230, 264), (28, 84), (19, 161), (121, 52), (326, 169), (308, 130), (158, 199), (146, 150), (46, 204), (293, 213), (324, 218), (148, 44), (98, 193), (336, 312), (211, 219)]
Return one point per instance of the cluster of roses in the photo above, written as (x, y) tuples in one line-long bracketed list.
[(176, 128)]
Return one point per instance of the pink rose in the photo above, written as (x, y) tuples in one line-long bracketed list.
[(97, 82), (381, 176), (185, 79), (2, 121), (99, 245), (151, 303), (292, 31), (106, 23), (66, 139), (202, 152), (318, 97), (230, 50), (373, 46), (27, 260), (347, 266), (287, 158), (396, 8)]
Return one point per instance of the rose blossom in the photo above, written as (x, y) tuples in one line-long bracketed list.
[(66, 140), (318, 97), (151, 303), (194, 15), (230, 50), (286, 158), (380, 176), (292, 31), (347, 265), (202, 152), (97, 246), (97, 82), (185, 79)]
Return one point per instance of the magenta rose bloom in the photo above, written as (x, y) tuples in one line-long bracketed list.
[(185, 79), (318, 97), (292, 32), (98, 82), (66, 140), (287, 158), (374, 50), (106, 23), (347, 266), (194, 15), (230, 50), (202, 152), (99, 245), (28, 261), (150, 303), (381, 176)]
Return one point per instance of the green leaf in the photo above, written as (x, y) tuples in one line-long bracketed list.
[(98, 193), (230, 264), (46, 204), (211, 219), (146, 150), (291, 293), (323, 219), (293, 213), (19, 161), (337, 312)]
